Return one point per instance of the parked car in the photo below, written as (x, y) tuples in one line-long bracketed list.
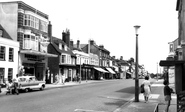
[(27, 83)]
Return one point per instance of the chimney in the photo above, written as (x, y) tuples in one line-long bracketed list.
[(50, 31), (89, 47), (101, 46), (78, 44), (121, 57), (64, 36), (71, 44), (92, 42), (68, 37)]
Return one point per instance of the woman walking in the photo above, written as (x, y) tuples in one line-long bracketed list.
[(147, 88), (167, 94)]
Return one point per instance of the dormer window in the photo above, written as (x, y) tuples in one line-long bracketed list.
[(65, 48), (1, 33), (60, 46)]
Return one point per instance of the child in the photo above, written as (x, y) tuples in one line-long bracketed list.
[(167, 94)]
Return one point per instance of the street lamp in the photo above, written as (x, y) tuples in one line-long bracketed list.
[(80, 69), (136, 67)]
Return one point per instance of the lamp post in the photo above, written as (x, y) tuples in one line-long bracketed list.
[(157, 71), (80, 69), (136, 67)]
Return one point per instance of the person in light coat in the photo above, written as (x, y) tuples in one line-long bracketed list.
[(147, 88)]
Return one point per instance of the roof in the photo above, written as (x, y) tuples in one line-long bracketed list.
[(58, 40), (122, 62), (81, 45), (5, 34), (69, 51)]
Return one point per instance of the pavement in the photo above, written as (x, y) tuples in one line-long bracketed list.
[(156, 99)]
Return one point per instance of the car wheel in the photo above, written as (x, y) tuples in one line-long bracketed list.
[(26, 90), (42, 87)]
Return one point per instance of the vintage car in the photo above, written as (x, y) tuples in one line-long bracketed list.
[(27, 83)]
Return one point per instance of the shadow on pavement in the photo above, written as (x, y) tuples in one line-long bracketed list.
[(127, 90)]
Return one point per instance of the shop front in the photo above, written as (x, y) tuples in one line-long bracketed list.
[(33, 63), (69, 71), (99, 73)]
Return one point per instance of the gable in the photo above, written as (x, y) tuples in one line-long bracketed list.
[(4, 33)]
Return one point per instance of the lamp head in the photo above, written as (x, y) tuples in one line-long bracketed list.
[(136, 28)]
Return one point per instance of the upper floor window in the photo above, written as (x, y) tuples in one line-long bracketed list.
[(60, 46), (30, 42), (11, 52), (63, 58), (2, 53), (1, 33), (31, 21)]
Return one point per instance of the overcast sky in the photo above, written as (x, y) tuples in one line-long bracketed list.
[(110, 22)]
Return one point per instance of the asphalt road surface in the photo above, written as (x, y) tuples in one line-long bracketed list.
[(103, 96)]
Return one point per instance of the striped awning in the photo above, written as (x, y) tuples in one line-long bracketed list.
[(110, 70), (100, 69)]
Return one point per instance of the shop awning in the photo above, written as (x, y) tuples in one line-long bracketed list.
[(129, 73), (110, 70), (38, 53), (100, 69)]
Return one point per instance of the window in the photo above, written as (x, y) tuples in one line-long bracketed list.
[(1, 33), (2, 53), (2, 80), (11, 52), (31, 21), (63, 58), (10, 73), (60, 46)]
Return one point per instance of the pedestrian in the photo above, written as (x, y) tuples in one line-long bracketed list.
[(147, 88), (63, 79), (167, 94), (56, 79), (15, 84), (10, 86)]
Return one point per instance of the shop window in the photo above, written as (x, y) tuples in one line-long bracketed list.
[(2, 80), (11, 53), (2, 53), (10, 73)]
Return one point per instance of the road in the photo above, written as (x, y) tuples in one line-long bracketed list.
[(103, 96)]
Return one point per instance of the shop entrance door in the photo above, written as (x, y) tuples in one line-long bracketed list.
[(39, 71)]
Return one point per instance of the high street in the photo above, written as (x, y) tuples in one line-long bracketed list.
[(100, 97)]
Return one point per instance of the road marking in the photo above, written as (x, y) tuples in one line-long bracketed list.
[(85, 110), (157, 85)]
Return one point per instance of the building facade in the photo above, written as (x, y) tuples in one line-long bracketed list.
[(8, 57), (29, 27)]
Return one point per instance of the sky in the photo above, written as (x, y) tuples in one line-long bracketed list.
[(110, 23)]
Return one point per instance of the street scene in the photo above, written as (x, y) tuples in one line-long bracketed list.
[(92, 96), (92, 56)]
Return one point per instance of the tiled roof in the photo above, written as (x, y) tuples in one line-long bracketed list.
[(56, 40)]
